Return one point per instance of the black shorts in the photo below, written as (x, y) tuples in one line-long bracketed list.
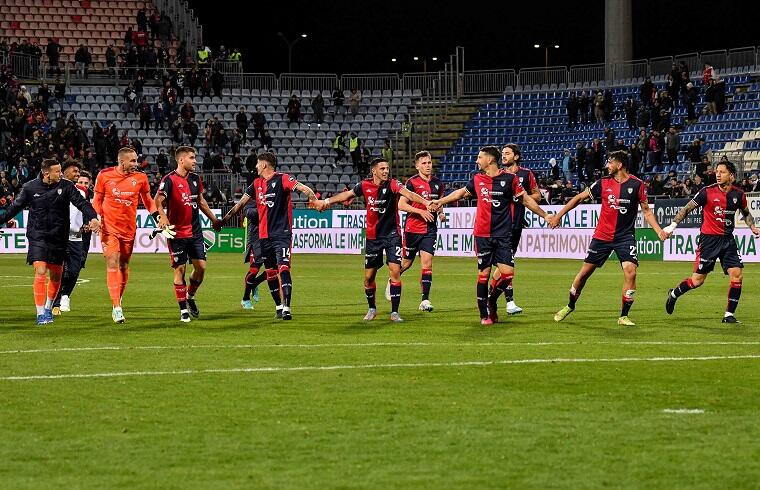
[(493, 250), (86, 241), (373, 253), (275, 251), (714, 247), (46, 252), (414, 243), (253, 254), (599, 251), (184, 249), (516, 235)]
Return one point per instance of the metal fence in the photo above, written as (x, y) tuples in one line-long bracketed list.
[(418, 80), (629, 69), (259, 81), (718, 59), (370, 81), (741, 57), (547, 76), (692, 61), (488, 81), (227, 183), (660, 66), (587, 73), (24, 65), (308, 81)]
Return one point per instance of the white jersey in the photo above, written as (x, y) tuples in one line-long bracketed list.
[(76, 221)]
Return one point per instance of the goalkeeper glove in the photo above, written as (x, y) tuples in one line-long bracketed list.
[(167, 232)]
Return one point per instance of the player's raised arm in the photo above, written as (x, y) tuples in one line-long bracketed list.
[(453, 197), (413, 196), (700, 199), (554, 220), (305, 189), (531, 204), (242, 202), (321, 205), (205, 209), (403, 205)]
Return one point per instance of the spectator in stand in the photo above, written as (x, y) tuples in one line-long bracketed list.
[(140, 38), (236, 55), (635, 160), (572, 111), (654, 150), (241, 120), (164, 60), (599, 107), (554, 170), (217, 80), (145, 112), (188, 111), (354, 142), (168, 94), (387, 152), (663, 124), (162, 161), (690, 188), (657, 186), (567, 164), (236, 164), (130, 97), (710, 107), (707, 74), (609, 105), (217, 162), (142, 19), (266, 140), (190, 128), (685, 81), (692, 96), (250, 161), (580, 160), (364, 158), (630, 108), (259, 121), (698, 184), (193, 83), (674, 188), (720, 95), (222, 54), (165, 29), (111, 60), (180, 59), (83, 59), (294, 110), (53, 52), (599, 155), (139, 85), (235, 141), (568, 192), (672, 145), (128, 39), (155, 18), (205, 84), (590, 165), (609, 140), (221, 141), (583, 106), (318, 108), (646, 92), (353, 101), (337, 99), (158, 114), (151, 62)]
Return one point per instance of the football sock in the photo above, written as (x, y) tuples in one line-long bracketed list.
[(395, 296), (273, 280), (426, 281), (685, 286), (574, 295), (193, 288), (53, 286), (124, 279), (482, 295), (39, 293), (501, 286), (113, 280), (370, 293), (734, 293), (287, 285), (493, 294), (627, 301), (180, 291)]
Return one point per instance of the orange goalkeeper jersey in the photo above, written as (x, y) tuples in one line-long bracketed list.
[(116, 196)]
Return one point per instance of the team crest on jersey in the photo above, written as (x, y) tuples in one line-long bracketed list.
[(383, 191), (734, 200), (161, 186), (61, 190), (274, 184), (134, 182), (180, 186), (503, 183), (630, 191)]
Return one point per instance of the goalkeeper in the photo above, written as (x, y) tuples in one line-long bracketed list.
[(181, 193)]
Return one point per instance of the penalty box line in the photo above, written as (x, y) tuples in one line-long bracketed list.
[(346, 367)]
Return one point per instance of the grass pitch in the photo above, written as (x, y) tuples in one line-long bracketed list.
[(236, 399)]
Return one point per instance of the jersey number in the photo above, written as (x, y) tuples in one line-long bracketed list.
[(285, 252)]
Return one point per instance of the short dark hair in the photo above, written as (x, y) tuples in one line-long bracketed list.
[(71, 163), (421, 154), (729, 166), (493, 151), (183, 149), (620, 156), (47, 163), (515, 149), (268, 157), (373, 163), (85, 173)]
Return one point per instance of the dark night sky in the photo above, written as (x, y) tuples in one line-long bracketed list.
[(362, 37)]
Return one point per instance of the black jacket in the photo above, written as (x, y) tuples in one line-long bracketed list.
[(48, 210)]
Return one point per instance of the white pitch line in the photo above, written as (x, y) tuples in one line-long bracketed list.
[(683, 410), (367, 344), (339, 367)]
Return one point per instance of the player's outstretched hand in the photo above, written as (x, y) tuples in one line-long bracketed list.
[(664, 235), (217, 225), (168, 231), (94, 225), (163, 222), (755, 231), (427, 215), (553, 221), (11, 223), (433, 206), (320, 205), (442, 216)]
